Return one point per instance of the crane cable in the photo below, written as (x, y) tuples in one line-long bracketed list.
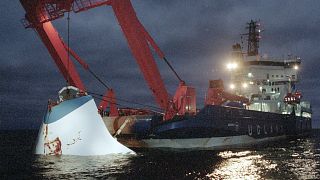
[(68, 42), (172, 69), (127, 101), (150, 107), (99, 79), (118, 99), (91, 72), (95, 76)]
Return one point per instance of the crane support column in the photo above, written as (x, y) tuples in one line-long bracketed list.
[(109, 99), (138, 42), (57, 50)]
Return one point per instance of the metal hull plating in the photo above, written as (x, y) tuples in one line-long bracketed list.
[(214, 127), (74, 127), (213, 143)]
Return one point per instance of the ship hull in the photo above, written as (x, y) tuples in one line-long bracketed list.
[(212, 143), (214, 127), (74, 127)]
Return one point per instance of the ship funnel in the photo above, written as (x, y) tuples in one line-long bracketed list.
[(72, 126)]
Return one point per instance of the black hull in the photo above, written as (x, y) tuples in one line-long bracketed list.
[(219, 121), (213, 128)]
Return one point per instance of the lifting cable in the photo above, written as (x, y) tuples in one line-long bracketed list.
[(123, 100), (68, 42), (172, 69), (118, 99), (97, 97), (156, 111), (103, 83), (127, 101), (94, 75)]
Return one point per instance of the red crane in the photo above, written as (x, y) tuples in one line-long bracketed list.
[(40, 13), (216, 95)]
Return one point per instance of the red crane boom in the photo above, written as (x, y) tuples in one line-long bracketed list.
[(40, 13)]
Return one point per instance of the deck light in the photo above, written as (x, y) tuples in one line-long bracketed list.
[(244, 85), (296, 67), (232, 86), (231, 66)]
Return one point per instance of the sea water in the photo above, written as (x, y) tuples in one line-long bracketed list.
[(297, 158)]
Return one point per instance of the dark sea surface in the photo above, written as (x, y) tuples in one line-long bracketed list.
[(289, 159)]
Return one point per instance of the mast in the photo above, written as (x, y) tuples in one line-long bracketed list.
[(253, 38)]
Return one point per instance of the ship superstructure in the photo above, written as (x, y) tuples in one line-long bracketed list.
[(270, 84)]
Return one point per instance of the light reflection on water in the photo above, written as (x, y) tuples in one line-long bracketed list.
[(305, 160), (240, 165), (80, 166), (295, 159), (298, 159)]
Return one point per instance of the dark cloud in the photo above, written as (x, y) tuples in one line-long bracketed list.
[(195, 36)]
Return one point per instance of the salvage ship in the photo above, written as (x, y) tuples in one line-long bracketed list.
[(261, 104)]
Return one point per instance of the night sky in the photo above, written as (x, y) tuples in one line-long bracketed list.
[(194, 35)]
